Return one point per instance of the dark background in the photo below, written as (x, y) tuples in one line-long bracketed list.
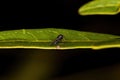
[(55, 14), (60, 14)]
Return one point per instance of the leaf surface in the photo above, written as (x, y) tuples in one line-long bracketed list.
[(42, 39), (100, 7)]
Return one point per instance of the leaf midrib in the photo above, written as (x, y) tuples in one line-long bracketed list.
[(52, 40)]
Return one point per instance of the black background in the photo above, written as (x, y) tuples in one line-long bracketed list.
[(60, 14)]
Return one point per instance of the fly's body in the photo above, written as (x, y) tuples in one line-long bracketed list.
[(57, 40)]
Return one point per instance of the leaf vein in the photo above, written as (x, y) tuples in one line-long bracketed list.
[(32, 36)]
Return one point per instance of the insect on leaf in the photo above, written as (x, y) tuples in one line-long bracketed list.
[(42, 39)]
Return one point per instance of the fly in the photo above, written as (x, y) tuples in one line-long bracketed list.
[(57, 40)]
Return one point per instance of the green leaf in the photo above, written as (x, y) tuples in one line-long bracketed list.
[(100, 7), (42, 39)]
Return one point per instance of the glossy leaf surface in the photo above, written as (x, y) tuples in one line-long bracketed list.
[(100, 7)]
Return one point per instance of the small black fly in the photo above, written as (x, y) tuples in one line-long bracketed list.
[(57, 40)]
